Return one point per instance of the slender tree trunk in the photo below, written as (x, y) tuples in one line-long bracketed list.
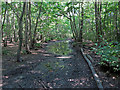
[(119, 15), (72, 27), (10, 30), (34, 35), (104, 24), (30, 33), (71, 24), (26, 29), (81, 29), (92, 25), (116, 27), (5, 15), (79, 16), (118, 33), (101, 33), (14, 28), (110, 27), (79, 25), (20, 33), (96, 21), (74, 24), (4, 20), (7, 29), (99, 21)]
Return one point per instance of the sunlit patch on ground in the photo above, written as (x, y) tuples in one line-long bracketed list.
[(56, 79), (60, 48), (34, 53), (57, 71), (1, 85), (64, 57), (5, 76), (40, 50), (46, 55), (50, 85), (79, 82)]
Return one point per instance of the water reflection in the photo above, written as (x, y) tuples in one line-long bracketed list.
[(60, 48)]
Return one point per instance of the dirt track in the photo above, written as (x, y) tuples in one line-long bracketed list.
[(48, 70)]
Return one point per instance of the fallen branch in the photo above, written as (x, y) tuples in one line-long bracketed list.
[(99, 84), (89, 57)]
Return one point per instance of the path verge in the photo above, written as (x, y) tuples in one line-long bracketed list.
[(96, 77)]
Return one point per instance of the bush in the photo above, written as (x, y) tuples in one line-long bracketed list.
[(110, 55), (5, 52), (37, 44)]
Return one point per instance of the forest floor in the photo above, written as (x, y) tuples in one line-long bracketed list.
[(48, 68), (109, 78)]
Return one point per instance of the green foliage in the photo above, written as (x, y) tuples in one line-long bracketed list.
[(110, 55), (89, 36), (5, 52), (8, 52), (54, 66), (38, 44), (23, 52), (60, 48), (54, 24)]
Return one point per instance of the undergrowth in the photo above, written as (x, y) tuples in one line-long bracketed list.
[(110, 54)]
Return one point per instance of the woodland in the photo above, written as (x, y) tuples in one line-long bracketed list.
[(36, 34)]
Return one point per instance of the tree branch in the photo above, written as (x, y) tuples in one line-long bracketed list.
[(14, 11)]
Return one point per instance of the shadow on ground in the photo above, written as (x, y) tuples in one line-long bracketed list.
[(54, 66)]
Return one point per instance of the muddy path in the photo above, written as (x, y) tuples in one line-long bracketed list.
[(58, 66)]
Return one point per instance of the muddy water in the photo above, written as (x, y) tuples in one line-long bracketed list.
[(60, 48)]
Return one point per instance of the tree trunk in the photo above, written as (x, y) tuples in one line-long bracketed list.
[(118, 33), (79, 15), (10, 30), (20, 33), (14, 28), (99, 21), (71, 24), (104, 25), (101, 33), (34, 35), (7, 29), (4, 20), (26, 29), (116, 27), (96, 21), (119, 15), (110, 27), (74, 25), (30, 33), (81, 29), (79, 25)]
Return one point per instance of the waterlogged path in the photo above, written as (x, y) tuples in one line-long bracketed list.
[(61, 67)]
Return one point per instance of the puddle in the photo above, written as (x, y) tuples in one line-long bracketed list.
[(60, 48)]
